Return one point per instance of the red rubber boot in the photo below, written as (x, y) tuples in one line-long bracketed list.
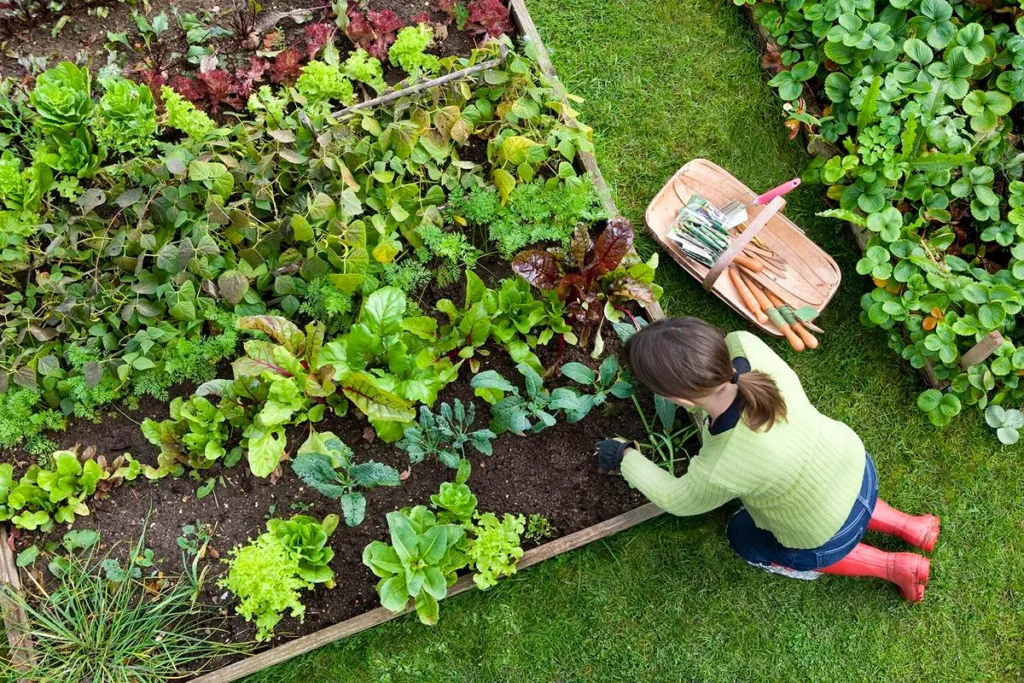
[(918, 530), (907, 570)]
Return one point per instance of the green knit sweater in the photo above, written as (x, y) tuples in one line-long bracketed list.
[(798, 480)]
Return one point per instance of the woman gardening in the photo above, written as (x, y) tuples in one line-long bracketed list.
[(809, 490)]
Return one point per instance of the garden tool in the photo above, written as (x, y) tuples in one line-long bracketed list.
[(736, 212), (773, 314), (791, 319), (748, 297)]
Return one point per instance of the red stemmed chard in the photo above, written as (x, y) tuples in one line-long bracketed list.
[(591, 273)]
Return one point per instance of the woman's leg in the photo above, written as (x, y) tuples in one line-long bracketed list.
[(918, 530), (908, 571), (761, 549)]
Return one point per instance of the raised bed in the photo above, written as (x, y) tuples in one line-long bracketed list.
[(819, 147), (635, 513)]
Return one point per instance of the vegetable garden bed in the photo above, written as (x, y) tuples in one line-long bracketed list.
[(551, 476)]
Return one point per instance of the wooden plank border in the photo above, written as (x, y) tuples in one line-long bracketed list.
[(375, 617), (818, 147)]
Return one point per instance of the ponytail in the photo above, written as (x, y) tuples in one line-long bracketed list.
[(763, 403), (688, 358)]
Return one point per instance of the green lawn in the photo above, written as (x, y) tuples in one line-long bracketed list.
[(667, 81)]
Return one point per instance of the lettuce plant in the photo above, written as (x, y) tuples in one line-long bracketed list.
[(591, 274), (56, 489), (408, 51), (360, 66), (320, 82), (267, 574), (305, 539), (325, 463), (125, 119), (264, 577), (195, 435), (454, 499), (420, 563), (494, 547), (182, 115), (62, 98)]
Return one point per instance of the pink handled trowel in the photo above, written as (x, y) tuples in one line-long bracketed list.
[(736, 212)]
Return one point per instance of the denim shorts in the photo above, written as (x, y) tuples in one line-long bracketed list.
[(759, 547)]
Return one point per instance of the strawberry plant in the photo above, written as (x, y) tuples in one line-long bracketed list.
[(921, 100)]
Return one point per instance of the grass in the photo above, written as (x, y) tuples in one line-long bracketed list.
[(665, 82)]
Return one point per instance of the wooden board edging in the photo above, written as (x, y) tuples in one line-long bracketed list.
[(375, 617)]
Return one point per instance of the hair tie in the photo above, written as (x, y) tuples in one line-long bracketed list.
[(735, 377)]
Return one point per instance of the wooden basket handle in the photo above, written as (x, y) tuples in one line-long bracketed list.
[(737, 245)]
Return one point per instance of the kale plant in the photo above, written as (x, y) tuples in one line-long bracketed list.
[(325, 463), (515, 413), (606, 381), (445, 435)]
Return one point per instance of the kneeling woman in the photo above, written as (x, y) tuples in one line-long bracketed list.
[(809, 490)]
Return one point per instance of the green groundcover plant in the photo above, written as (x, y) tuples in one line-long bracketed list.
[(921, 98)]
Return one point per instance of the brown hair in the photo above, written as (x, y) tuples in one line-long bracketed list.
[(687, 358)]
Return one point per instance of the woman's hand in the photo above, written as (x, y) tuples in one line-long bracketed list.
[(610, 452)]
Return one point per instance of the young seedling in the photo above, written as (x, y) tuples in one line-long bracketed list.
[(455, 499), (514, 413), (607, 380), (446, 434), (325, 463)]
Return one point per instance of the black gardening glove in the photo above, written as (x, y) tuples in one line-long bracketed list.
[(610, 453)]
